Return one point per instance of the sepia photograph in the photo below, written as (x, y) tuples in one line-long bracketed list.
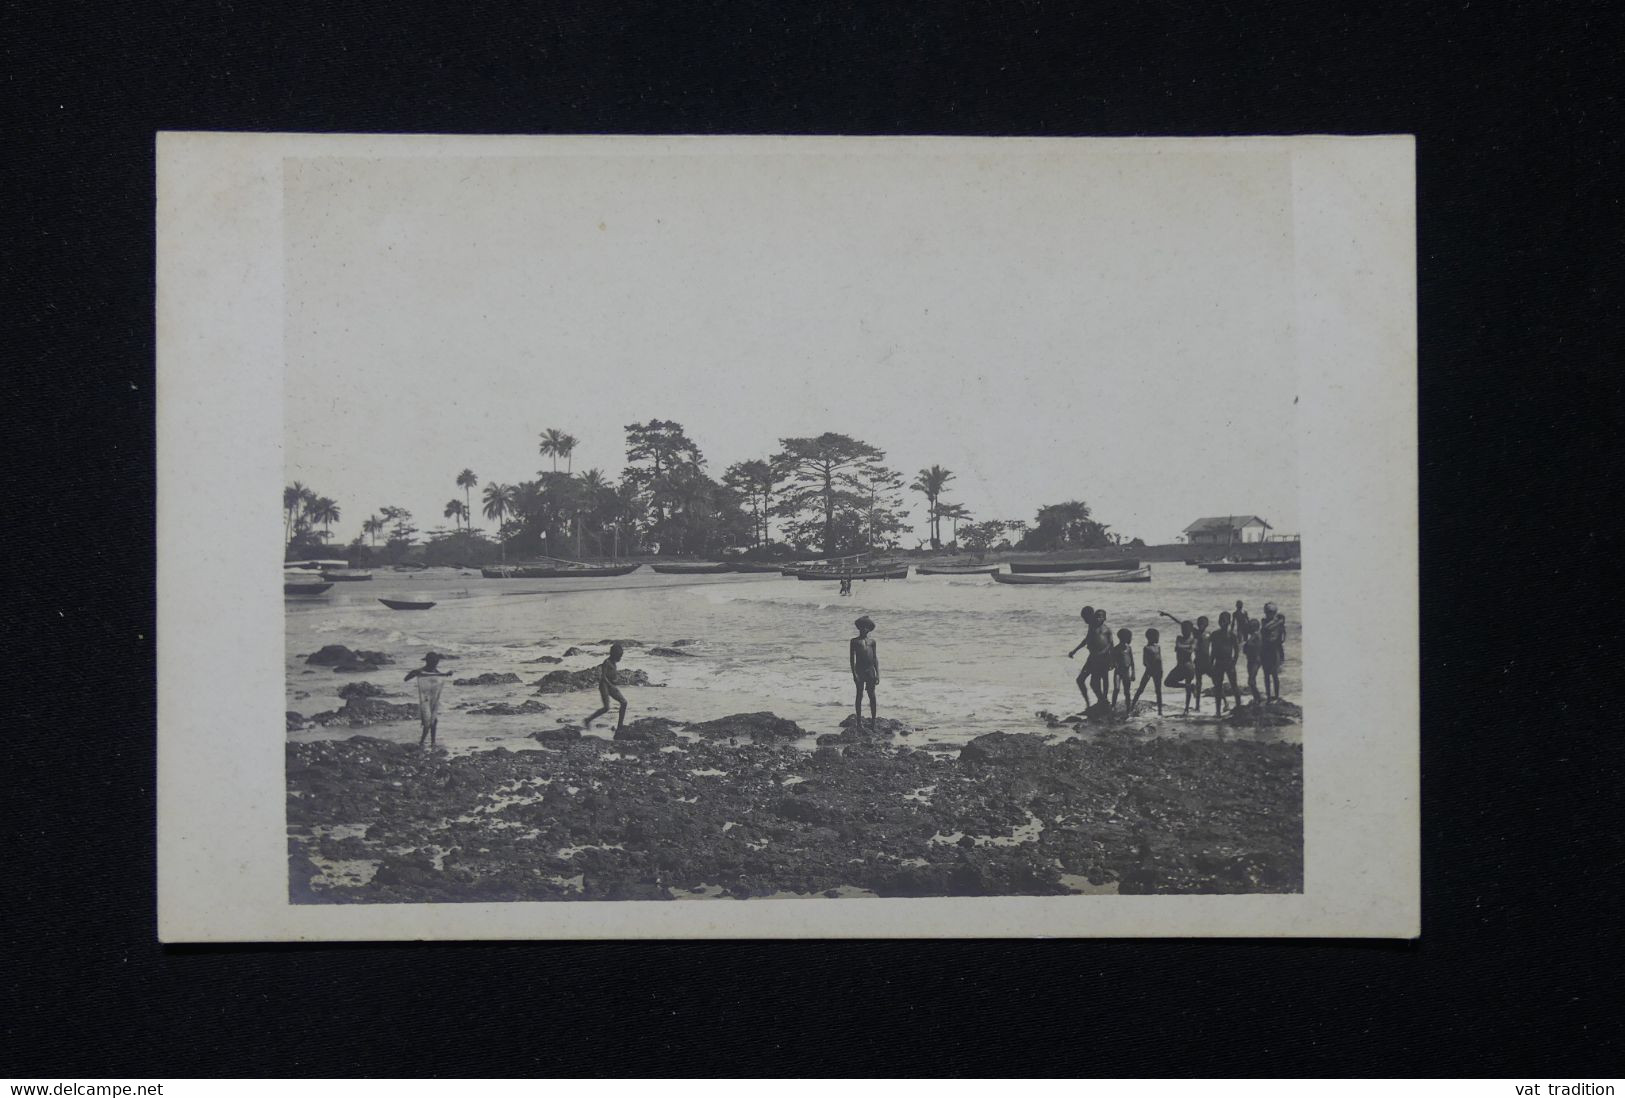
[(803, 522)]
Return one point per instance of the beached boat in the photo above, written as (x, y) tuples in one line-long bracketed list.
[(696, 569), (410, 567), (497, 573), (1254, 566), (1133, 575), (1115, 564), (402, 604), (301, 587), (987, 570), (755, 566), (315, 565), (347, 575), (853, 574)]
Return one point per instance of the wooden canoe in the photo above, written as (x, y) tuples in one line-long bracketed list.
[(305, 588), (987, 571), (886, 574), (692, 569), (1116, 564), (1137, 575), (346, 577), (401, 604)]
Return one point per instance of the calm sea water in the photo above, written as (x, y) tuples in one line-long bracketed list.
[(959, 655)]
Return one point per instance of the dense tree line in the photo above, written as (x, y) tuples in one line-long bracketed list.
[(830, 494)]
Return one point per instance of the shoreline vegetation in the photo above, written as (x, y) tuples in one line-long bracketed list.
[(828, 495), (754, 806)]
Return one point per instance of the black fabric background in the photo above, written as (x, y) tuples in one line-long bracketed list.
[(1517, 114)]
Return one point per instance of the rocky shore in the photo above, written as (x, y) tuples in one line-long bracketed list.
[(727, 808)]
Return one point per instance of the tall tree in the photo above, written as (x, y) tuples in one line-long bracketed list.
[(372, 527), (552, 445), (828, 478), (498, 503), (756, 480), (566, 447), (954, 513), (625, 508), (930, 484), (455, 511), (655, 452), (883, 511), (593, 488), (1068, 525), (467, 481), (326, 512)]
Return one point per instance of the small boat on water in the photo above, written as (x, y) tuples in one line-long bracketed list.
[(854, 574), (1254, 566), (1116, 564), (402, 604), (301, 587), (347, 575), (987, 570), (693, 569), (1133, 575), (314, 565)]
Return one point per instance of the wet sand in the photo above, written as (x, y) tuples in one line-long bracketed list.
[(740, 808)]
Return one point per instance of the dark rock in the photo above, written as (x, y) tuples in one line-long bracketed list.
[(360, 712), (563, 734), (341, 658), (574, 651), (670, 652), (855, 729), (294, 720), (622, 643), (489, 678), (545, 659), (648, 730), (560, 682), (361, 690), (683, 643), (504, 709), (758, 726), (1003, 748)]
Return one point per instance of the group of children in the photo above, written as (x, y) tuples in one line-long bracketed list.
[(1199, 657)]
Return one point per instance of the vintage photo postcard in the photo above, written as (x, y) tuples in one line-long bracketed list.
[(772, 537)]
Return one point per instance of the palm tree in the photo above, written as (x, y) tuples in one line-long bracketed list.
[(930, 484), (324, 511), (455, 511), (292, 496), (467, 481), (625, 505), (567, 446), (552, 445), (498, 504), (372, 527)]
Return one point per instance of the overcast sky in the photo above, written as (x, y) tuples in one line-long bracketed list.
[(1051, 321)]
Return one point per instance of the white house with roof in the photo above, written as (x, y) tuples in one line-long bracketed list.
[(1222, 530)]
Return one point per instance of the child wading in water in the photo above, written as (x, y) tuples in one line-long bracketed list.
[(1151, 656), (1093, 641), (607, 688), (1272, 650), (865, 660), (431, 681), (1122, 658)]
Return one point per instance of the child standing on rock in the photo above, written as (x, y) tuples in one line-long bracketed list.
[(607, 688), (864, 657), (431, 681)]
